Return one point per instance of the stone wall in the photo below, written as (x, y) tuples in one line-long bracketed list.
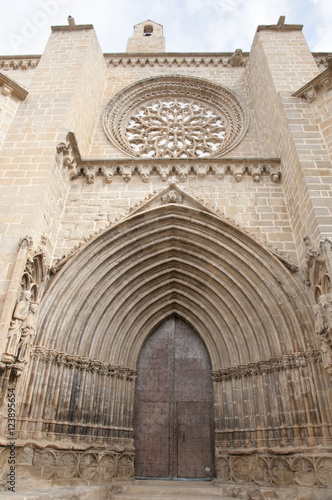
[(8, 107), (35, 188), (280, 63), (258, 207), (121, 242)]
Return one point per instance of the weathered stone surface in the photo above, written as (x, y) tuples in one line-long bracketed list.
[(141, 186)]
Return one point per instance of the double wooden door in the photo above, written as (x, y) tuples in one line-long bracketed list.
[(173, 405)]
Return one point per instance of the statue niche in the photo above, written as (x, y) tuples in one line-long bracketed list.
[(22, 329)]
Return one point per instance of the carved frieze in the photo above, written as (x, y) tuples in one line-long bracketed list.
[(318, 85), (81, 363), (17, 63), (180, 169), (268, 469), (285, 362), (175, 60), (94, 464)]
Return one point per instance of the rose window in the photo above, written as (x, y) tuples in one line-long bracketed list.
[(175, 129), (175, 117)]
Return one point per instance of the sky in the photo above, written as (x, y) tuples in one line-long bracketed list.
[(189, 25)]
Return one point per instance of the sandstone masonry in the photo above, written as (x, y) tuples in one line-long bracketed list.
[(147, 184)]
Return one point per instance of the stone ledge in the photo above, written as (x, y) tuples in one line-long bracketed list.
[(9, 86), (68, 156), (186, 59), (316, 87)]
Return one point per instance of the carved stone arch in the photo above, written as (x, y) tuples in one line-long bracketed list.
[(251, 313), (25, 282), (182, 317), (38, 269), (169, 260), (34, 292), (150, 103)]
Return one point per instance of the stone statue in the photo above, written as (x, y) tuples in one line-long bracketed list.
[(320, 324), (325, 301), (28, 334), (236, 59), (326, 351), (16, 327)]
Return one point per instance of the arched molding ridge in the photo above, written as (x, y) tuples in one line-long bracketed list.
[(175, 259)]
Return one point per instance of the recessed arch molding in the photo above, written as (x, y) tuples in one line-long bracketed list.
[(250, 311)]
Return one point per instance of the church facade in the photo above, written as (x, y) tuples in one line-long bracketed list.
[(165, 289)]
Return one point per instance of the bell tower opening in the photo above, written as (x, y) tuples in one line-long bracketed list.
[(147, 37), (148, 30)]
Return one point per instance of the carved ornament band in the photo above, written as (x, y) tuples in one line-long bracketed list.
[(286, 362), (257, 168), (277, 470), (175, 60), (90, 365)]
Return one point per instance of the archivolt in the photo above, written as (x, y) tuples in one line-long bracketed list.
[(237, 295)]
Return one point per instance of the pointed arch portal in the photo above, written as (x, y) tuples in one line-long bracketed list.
[(175, 261), (173, 424)]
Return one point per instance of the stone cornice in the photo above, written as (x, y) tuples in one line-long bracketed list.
[(9, 86), (82, 363), (285, 362), (316, 87), (114, 59), (189, 59), (68, 154), (19, 62), (321, 59)]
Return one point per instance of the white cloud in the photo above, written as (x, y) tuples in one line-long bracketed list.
[(189, 25), (323, 31)]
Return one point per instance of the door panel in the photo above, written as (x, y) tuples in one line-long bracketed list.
[(173, 405), (152, 447), (194, 450)]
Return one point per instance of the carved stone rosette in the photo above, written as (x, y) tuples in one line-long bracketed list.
[(93, 464), (275, 469), (175, 117)]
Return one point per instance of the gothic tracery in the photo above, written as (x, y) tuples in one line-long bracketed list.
[(175, 117), (175, 128)]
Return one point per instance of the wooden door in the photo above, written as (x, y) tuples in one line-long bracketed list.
[(173, 405)]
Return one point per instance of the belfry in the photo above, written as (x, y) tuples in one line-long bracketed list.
[(165, 290)]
